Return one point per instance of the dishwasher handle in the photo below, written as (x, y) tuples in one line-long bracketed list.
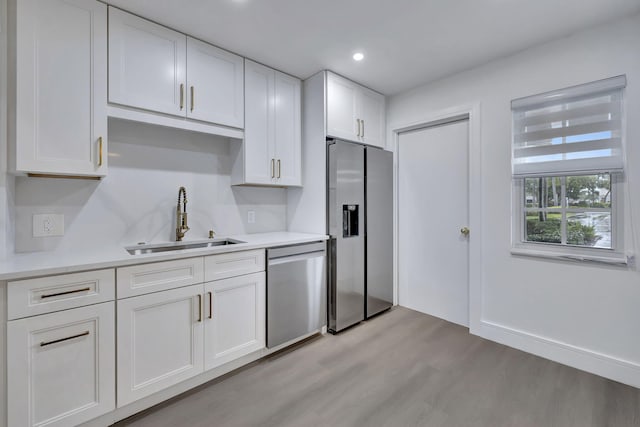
[(290, 250), (293, 258)]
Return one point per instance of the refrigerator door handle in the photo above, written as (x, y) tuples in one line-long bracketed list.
[(332, 281), (346, 221)]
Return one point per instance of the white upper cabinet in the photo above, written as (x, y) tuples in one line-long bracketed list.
[(372, 116), (215, 83), (259, 155), (342, 116), (61, 87), (154, 68), (147, 64), (354, 112), (288, 135), (271, 151)]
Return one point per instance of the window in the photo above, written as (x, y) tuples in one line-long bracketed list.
[(567, 163), (568, 210)]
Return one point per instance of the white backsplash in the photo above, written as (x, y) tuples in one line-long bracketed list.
[(136, 202)]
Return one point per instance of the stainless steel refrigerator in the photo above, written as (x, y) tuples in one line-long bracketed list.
[(360, 225)]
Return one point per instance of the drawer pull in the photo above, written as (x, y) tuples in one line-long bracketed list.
[(64, 293), (46, 343)]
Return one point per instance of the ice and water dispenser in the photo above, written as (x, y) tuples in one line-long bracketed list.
[(350, 223)]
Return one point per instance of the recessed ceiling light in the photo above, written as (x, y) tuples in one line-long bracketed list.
[(358, 56)]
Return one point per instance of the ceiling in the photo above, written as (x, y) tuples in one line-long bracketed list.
[(406, 42)]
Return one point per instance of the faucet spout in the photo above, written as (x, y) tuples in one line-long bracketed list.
[(181, 215)]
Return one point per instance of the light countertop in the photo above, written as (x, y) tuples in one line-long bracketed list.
[(19, 266)]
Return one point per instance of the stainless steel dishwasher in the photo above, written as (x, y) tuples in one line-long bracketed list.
[(296, 291)]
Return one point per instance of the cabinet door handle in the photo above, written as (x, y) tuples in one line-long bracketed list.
[(57, 294), (210, 305), (358, 121), (199, 308), (181, 96), (273, 168), (362, 121), (100, 151), (46, 343), (193, 102), (278, 168)]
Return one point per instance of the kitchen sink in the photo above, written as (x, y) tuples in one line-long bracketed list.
[(178, 246)]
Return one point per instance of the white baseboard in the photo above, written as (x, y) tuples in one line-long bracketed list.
[(604, 365)]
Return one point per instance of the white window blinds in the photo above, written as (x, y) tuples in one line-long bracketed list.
[(571, 131)]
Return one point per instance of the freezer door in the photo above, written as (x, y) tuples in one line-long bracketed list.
[(346, 227), (379, 230)]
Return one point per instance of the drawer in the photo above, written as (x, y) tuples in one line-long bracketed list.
[(233, 264), (159, 276), (54, 293)]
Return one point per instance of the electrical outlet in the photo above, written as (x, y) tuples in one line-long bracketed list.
[(47, 225), (251, 217)]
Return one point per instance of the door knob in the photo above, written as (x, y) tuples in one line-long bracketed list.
[(465, 231)]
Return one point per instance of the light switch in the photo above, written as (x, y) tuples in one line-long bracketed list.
[(47, 225), (251, 217)]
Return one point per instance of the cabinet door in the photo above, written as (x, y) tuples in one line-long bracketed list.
[(342, 119), (61, 87), (371, 107), (215, 79), (61, 367), (159, 341), (288, 139), (234, 318), (147, 64), (259, 133)]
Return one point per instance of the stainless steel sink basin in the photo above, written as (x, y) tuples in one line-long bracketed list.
[(178, 246)]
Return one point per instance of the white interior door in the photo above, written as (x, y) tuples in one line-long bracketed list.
[(433, 208)]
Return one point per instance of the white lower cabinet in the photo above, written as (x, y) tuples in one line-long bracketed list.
[(76, 364), (160, 341), (61, 367), (234, 318), (167, 337)]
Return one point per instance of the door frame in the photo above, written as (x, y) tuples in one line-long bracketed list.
[(435, 118)]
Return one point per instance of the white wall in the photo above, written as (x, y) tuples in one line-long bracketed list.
[(585, 315), (136, 202), (306, 205), (5, 181)]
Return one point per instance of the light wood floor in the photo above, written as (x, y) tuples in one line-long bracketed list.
[(402, 368)]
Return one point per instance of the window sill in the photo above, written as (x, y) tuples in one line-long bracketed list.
[(617, 259)]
